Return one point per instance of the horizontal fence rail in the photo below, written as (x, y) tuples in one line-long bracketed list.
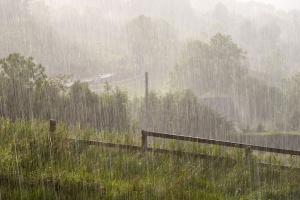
[(247, 147), (134, 147), (158, 150), (104, 144)]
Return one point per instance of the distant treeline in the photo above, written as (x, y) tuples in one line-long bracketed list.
[(219, 69), (26, 92)]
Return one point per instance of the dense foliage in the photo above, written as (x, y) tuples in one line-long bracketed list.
[(218, 69), (28, 93), (181, 113), (209, 68)]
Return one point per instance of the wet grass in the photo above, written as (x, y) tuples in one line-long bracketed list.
[(37, 165)]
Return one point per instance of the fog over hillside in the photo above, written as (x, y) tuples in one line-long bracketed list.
[(205, 4), (216, 48), (279, 4)]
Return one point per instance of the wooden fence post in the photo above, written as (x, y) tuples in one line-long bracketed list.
[(248, 153), (144, 141), (52, 127)]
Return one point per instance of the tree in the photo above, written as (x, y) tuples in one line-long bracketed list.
[(26, 92), (14, 8), (20, 79), (258, 102), (213, 67), (114, 113), (276, 67), (268, 37), (291, 90), (181, 113), (152, 45), (221, 12), (221, 15), (22, 70), (247, 33)]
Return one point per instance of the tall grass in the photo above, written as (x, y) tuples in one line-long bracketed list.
[(36, 165)]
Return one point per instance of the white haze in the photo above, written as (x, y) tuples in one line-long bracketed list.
[(179, 43), (285, 5), (280, 4)]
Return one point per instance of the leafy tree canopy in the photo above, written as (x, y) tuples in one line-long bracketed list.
[(23, 70), (210, 67)]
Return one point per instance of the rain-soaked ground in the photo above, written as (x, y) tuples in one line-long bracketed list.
[(34, 168)]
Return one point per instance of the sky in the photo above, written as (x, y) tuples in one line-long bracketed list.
[(281, 4)]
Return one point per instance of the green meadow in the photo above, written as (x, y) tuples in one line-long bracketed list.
[(36, 164)]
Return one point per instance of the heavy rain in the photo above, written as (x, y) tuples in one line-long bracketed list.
[(149, 99)]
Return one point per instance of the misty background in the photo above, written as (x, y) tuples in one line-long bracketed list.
[(84, 38), (240, 58)]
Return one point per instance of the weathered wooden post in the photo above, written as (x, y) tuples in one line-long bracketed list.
[(248, 151), (52, 127), (144, 141), (146, 89), (146, 101), (52, 138), (144, 133)]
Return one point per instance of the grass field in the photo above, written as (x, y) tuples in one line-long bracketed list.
[(37, 165)]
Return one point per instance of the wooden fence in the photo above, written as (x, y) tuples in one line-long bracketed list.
[(145, 134), (248, 147)]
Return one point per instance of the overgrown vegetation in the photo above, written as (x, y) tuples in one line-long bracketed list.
[(180, 112), (28, 93), (38, 165)]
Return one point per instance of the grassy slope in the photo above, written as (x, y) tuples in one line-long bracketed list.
[(32, 167)]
